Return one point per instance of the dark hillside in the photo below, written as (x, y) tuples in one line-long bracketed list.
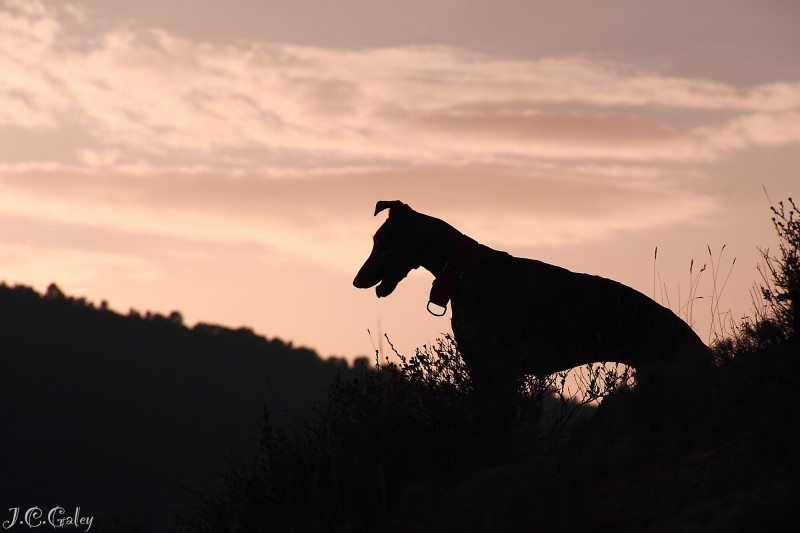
[(114, 413)]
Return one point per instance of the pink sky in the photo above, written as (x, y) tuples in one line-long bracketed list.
[(223, 158)]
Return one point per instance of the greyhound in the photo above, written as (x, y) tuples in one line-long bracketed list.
[(514, 316)]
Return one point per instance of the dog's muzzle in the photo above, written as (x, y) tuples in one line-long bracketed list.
[(384, 272)]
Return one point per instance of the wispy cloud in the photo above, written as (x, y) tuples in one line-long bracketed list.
[(255, 142), (146, 95), (326, 217)]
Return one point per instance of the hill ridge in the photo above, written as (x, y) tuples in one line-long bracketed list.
[(115, 413)]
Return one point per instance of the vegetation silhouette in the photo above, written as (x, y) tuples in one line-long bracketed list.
[(400, 448), (121, 414)]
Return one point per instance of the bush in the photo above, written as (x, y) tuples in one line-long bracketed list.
[(776, 318), (354, 464), (782, 291)]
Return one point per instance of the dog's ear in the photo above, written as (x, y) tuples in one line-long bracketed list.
[(395, 206)]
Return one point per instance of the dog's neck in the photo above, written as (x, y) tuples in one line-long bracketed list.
[(447, 254), (439, 246)]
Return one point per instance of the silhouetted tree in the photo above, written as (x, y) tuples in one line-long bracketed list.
[(54, 292), (783, 294)]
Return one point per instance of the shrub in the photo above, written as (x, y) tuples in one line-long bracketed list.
[(394, 426), (776, 300), (782, 291)]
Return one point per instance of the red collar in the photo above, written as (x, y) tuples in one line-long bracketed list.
[(446, 282)]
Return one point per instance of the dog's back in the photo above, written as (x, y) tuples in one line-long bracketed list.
[(534, 318)]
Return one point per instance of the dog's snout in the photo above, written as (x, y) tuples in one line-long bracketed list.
[(382, 270), (368, 275), (359, 283)]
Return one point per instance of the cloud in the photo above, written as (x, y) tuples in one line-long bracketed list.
[(148, 96), (327, 218), (281, 150), (764, 129)]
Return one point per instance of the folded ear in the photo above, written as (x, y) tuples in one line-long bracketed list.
[(394, 205)]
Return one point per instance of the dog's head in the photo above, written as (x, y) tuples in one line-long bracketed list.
[(394, 250)]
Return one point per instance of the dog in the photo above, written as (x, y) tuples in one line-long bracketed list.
[(513, 316)]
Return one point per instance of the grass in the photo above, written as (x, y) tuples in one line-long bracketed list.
[(721, 323), (405, 447)]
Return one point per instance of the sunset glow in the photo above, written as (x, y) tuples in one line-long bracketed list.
[(227, 165)]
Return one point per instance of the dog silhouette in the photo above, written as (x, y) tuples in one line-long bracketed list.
[(514, 316)]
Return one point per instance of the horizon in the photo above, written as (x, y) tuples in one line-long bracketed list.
[(226, 164)]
